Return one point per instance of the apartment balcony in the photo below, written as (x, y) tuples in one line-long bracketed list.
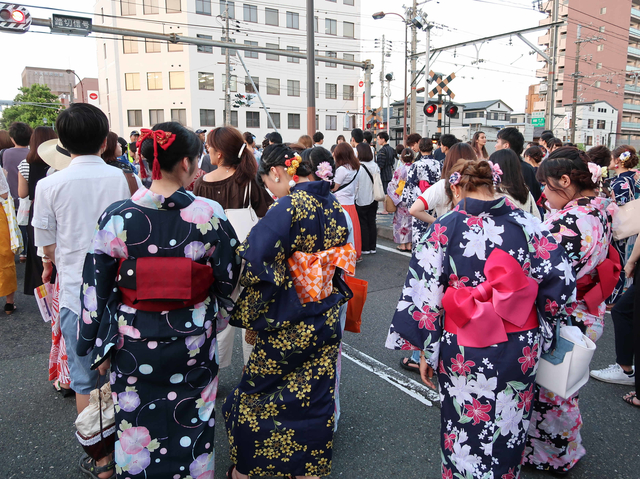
[(632, 89), (634, 32), (633, 52), (561, 61), (544, 40), (541, 73), (539, 106), (635, 13), (630, 107), (629, 125)]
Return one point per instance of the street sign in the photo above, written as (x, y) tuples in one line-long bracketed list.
[(361, 84), (537, 121), (70, 25), (92, 96)]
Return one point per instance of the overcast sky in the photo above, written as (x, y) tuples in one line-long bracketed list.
[(506, 70)]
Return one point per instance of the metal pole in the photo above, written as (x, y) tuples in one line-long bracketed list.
[(367, 87), (414, 46), (382, 75), (227, 69), (574, 107), (71, 97), (255, 88), (406, 68), (311, 71), (425, 126), (551, 82), (389, 108)]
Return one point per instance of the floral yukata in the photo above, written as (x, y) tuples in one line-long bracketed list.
[(422, 174), (280, 418), (625, 189), (402, 223), (583, 228), (163, 364), (486, 392)]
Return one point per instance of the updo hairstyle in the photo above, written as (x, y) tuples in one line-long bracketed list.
[(552, 169), (474, 174), (600, 155), (186, 144), (229, 141), (317, 156), (535, 153), (425, 145), (630, 162), (276, 155), (407, 156)]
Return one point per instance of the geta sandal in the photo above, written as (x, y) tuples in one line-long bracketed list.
[(89, 467), (9, 308), (629, 399), (410, 365)]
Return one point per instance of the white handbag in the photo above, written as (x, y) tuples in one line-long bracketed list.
[(626, 220), (23, 211), (14, 231), (242, 219), (565, 368), (378, 190)]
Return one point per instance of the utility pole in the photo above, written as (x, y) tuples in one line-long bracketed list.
[(425, 125), (551, 77), (311, 71), (384, 45), (227, 69), (414, 45), (406, 54)]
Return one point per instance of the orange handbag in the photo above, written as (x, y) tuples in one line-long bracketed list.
[(356, 304)]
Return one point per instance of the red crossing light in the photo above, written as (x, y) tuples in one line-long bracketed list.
[(430, 109)]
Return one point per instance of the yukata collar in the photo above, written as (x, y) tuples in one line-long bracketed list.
[(317, 188), (146, 198), (474, 207)]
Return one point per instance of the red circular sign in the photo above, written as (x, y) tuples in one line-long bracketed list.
[(361, 84), (93, 96)]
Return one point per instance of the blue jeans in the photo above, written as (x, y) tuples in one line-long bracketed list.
[(83, 379), (415, 357)]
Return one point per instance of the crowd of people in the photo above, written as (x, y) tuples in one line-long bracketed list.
[(504, 247)]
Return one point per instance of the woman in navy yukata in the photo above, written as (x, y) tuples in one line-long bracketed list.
[(157, 285), (482, 291), (280, 419)]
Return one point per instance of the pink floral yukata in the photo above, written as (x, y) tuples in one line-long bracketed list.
[(401, 218)]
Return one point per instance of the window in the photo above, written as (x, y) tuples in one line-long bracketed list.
[(348, 56), (602, 110), (602, 124), (271, 16), (348, 92), (348, 2), (600, 48), (253, 119), (590, 123), (132, 81), (589, 141), (317, 90), (273, 86), (205, 81), (232, 8), (350, 123), (156, 116), (106, 80), (275, 117), (293, 87), (330, 26), (348, 30), (248, 54), (174, 47), (176, 80), (331, 64), (233, 83), (154, 81), (150, 7), (293, 120), (603, 10), (203, 7), (250, 13), (317, 122), (203, 48), (270, 56), (248, 87), (601, 29), (597, 84), (179, 115), (293, 20), (598, 66), (207, 118), (151, 46), (331, 91), (331, 122), (290, 59), (315, 24), (173, 6), (233, 117), (134, 117), (129, 45), (104, 48), (128, 7)]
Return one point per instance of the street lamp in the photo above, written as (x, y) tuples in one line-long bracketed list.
[(80, 82), (378, 16)]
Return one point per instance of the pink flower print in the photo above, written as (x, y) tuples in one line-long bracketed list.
[(449, 440), (446, 473), (90, 299), (106, 242), (407, 346), (425, 320), (477, 411), (438, 235), (441, 368), (195, 250), (194, 342), (199, 212), (509, 475), (526, 399), (551, 307), (202, 464), (139, 194), (528, 360), (460, 366), (130, 331), (456, 282), (474, 221), (128, 401), (86, 317), (542, 246), (209, 393), (135, 439), (139, 462)]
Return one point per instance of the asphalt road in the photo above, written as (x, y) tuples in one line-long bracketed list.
[(384, 432)]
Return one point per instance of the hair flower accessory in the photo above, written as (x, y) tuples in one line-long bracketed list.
[(454, 179), (163, 138), (497, 172), (324, 171), (596, 172), (625, 156), (287, 163), (292, 165)]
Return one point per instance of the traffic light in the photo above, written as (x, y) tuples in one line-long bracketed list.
[(450, 110), (14, 18), (430, 109)]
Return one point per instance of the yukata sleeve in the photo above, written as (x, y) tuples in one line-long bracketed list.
[(393, 186), (622, 191), (99, 297), (418, 320), (408, 194)]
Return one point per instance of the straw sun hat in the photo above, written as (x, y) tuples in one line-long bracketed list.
[(54, 154)]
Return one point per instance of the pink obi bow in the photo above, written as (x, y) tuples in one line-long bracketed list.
[(505, 302), (423, 185), (313, 273)]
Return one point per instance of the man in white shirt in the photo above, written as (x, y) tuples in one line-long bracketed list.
[(318, 139), (67, 207)]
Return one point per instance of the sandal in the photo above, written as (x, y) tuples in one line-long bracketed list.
[(89, 467), (65, 392), (629, 399), (410, 365), (9, 308)]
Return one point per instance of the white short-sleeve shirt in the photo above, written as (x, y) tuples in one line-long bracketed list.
[(344, 175)]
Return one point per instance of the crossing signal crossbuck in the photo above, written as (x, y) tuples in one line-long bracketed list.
[(14, 18)]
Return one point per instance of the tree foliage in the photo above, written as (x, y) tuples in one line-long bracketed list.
[(34, 115)]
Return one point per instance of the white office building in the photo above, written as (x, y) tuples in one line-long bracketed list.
[(147, 82)]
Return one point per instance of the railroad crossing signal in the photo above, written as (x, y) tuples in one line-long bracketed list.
[(430, 109), (450, 110), (14, 18), (441, 87)]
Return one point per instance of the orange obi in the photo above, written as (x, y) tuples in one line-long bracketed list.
[(312, 273)]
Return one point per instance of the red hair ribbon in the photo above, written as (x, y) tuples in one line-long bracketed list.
[(159, 137)]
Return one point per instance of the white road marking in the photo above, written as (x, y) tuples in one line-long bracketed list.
[(393, 250), (408, 386)]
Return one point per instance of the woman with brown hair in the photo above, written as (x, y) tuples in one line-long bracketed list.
[(306, 141), (232, 184), (346, 186), (110, 155), (478, 143), (401, 217)]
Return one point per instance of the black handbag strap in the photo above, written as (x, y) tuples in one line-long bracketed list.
[(368, 173), (347, 184)]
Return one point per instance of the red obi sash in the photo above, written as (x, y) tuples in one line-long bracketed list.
[(504, 303), (594, 290), (163, 284)]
